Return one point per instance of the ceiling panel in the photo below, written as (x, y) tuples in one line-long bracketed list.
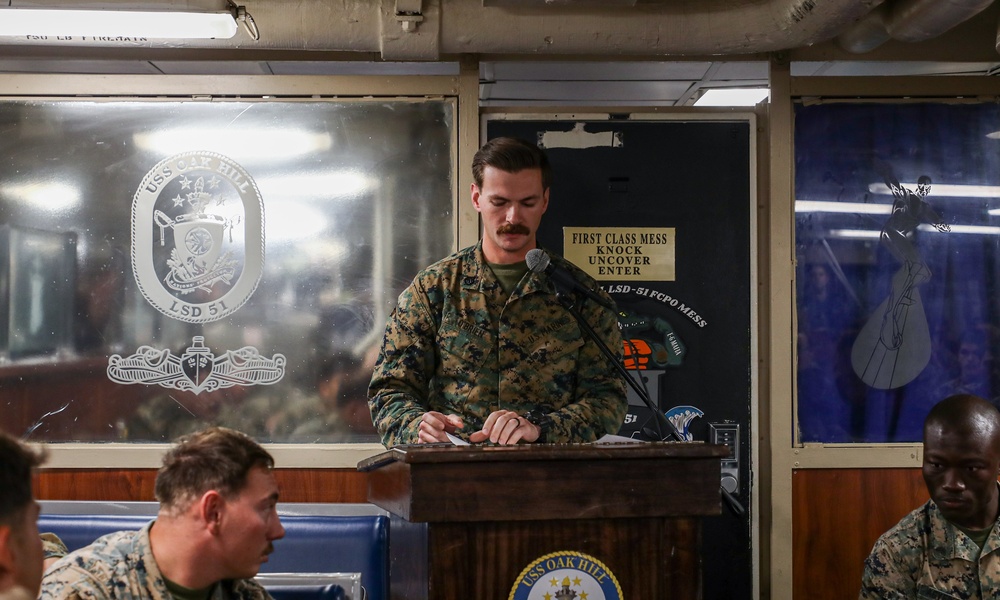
[(594, 71), (527, 82), (583, 92), (363, 68), (861, 68), (212, 67), (41, 65)]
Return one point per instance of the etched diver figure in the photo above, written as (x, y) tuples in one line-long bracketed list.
[(909, 210), (894, 346)]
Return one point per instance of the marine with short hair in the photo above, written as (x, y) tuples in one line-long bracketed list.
[(481, 348), (950, 546), (216, 525), (20, 545)]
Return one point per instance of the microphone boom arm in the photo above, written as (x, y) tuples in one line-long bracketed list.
[(569, 302), (662, 422)]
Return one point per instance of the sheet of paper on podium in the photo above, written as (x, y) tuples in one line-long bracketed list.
[(456, 440)]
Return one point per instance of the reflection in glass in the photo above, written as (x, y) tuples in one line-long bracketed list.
[(358, 196), (896, 270)]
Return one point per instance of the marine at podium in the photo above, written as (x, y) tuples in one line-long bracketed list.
[(481, 348)]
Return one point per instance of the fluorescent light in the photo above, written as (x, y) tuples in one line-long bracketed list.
[(732, 97), (950, 190), (864, 234), (842, 207), (48, 196), (974, 229), (316, 187), (106, 22), (292, 220), (269, 142), (874, 234)]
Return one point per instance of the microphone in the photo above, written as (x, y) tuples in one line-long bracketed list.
[(539, 262)]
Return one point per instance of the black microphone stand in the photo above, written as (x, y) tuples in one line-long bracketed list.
[(662, 422)]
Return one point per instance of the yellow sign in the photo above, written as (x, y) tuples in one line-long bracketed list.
[(622, 253)]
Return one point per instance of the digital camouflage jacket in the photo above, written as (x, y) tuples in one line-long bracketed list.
[(458, 345), (120, 566), (925, 556)]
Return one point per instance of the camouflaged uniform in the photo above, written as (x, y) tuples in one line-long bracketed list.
[(162, 419), (925, 556), (52, 546), (457, 344), (120, 566)]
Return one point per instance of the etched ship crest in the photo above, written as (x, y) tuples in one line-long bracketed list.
[(197, 236), (195, 261)]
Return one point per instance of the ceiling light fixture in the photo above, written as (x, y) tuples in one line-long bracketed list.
[(872, 234), (44, 193), (863, 208), (973, 229), (861, 234), (732, 97), (172, 19), (248, 143), (944, 190)]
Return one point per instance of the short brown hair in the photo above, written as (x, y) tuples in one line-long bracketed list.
[(216, 458), (511, 155), (16, 462)]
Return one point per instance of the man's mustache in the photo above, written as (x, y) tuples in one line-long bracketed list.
[(513, 228)]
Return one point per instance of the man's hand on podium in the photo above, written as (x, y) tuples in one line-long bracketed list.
[(435, 427), (503, 427), (506, 428)]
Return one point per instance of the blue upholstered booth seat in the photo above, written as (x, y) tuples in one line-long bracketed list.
[(336, 544), (319, 538), (330, 591)]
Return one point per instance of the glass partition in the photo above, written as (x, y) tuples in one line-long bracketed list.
[(166, 264), (897, 224)]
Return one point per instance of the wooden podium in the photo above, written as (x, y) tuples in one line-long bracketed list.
[(470, 522)]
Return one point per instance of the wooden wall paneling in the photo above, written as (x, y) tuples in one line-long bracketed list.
[(322, 485), (837, 516), (123, 485), (73, 400)]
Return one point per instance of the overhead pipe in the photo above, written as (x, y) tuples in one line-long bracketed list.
[(920, 20), (679, 27), (530, 27), (908, 21), (867, 34)]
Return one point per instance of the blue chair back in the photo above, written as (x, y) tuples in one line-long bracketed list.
[(313, 543)]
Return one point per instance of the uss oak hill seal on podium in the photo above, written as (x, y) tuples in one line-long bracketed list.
[(566, 576)]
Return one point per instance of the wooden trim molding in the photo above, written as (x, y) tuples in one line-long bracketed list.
[(124, 485)]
